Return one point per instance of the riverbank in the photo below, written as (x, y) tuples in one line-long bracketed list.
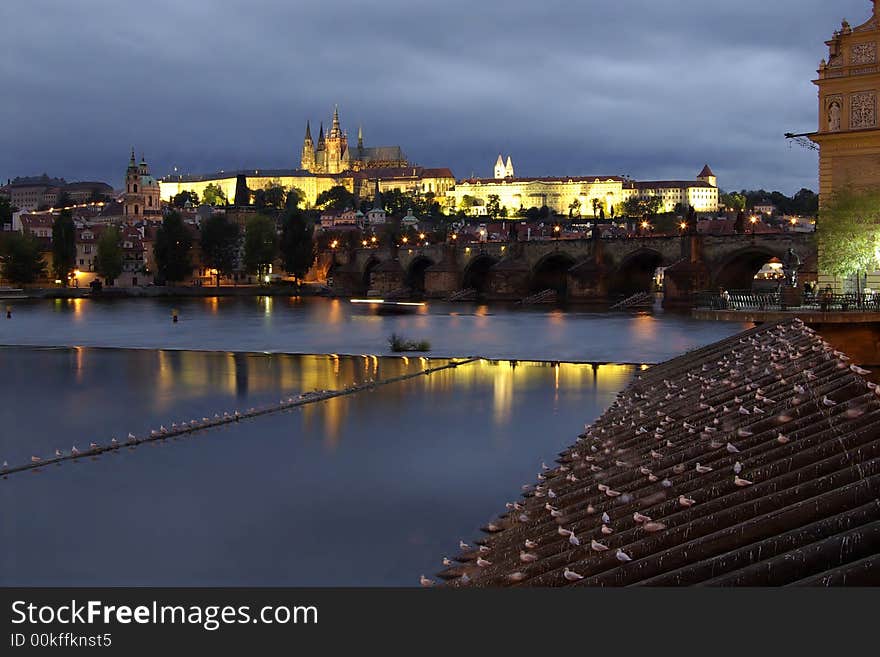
[(155, 291)]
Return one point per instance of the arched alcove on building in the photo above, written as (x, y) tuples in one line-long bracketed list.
[(476, 274), (415, 274), (367, 276), (635, 273), (737, 271), (551, 273)]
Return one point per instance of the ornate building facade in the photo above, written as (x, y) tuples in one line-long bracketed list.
[(333, 155), (142, 192), (849, 133)]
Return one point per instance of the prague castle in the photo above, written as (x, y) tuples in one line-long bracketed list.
[(332, 153), (587, 196)]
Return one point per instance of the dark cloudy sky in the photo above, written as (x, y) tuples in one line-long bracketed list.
[(648, 88)]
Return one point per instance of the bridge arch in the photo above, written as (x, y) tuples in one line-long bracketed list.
[(737, 270), (551, 273), (477, 273), (635, 273), (366, 281), (414, 278)]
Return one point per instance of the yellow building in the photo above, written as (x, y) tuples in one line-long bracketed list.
[(310, 184), (848, 134), (585, 196)]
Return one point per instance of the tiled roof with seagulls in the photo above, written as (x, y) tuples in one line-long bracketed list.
[(753, 461)]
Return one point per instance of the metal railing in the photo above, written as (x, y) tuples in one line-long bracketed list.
[(817, 302)]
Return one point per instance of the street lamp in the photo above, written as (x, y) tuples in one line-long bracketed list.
[(405, 239), (753, 220)]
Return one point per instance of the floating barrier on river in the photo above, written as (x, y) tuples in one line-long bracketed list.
[(754, 461), (227, 418)]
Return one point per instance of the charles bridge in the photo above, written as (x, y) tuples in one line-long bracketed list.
[(586, 270)]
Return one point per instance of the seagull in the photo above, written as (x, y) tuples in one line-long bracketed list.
[(737, 467), (622, 556), (686, 501), (652, 527), (744, 433), (597, 546), (702, 469), (35, 459), (828, 402), (131, 436), (485, 548), (58, 452), (113, 441), (571, 576), (482, 563), (74, 451), (562, 531), (606, 518), (527, 557), (516, 577), (666, 483), (447, 562), (573, 539), (464, 546), (639, 518), (424, 581), (551, 494), (612, 493), (732, 449), (93, 445), (531, 544), (741, 482), (859, 370), (781, 439), (743, 411)]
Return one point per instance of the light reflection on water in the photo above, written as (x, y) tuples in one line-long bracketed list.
[(361, 490), (315, 325)]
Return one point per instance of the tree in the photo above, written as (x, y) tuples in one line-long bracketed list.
[(63, 246), (295, 197), (21, 259), (63, 200), (6, 211), (335, 198), (109, 258), (181, 199), (260, 245), (272, 196), (849, 233), (213, 195), (493, 206), (734, 201), (172, 249), (297, 245), (220, 239), (574, 208)]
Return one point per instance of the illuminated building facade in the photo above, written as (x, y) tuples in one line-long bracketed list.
[(585, 196), (849, 135), (333, 155)]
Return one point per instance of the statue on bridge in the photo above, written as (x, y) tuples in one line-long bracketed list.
[(790, 266)]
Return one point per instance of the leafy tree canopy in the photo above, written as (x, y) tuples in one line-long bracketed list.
[(849, 233), (180, 200), (172, 249), (260, 244), (109, 258), (336, 198), (63, 246), (297, 244), (20, 259), (220, 242), (213, 195)]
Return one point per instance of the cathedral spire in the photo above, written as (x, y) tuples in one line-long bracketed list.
[(321, 137), (360, 137), (308, 131), (335, 130)]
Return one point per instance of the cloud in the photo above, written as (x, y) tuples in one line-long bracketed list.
[(644, 88)]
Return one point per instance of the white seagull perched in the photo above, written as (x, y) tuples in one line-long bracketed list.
[(781, 439), (530, 544), (424, 581), (74, 450), (622, 556), (686, 501), (573, 540), (482, 563), (35, 459), (741, 482), (702, 469), (732, 449), (639, 518), (828, 402), (606, 518), (447, 561), (463, 546), (737, 467), (562, 531), (58, 452), (516, 577), (527, 557), (597, 546), (571, 576), (131, 436)]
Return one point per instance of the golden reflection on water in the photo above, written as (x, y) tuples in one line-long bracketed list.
[(505, 385)]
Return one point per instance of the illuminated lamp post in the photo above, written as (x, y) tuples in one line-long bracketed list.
[(753, 220)]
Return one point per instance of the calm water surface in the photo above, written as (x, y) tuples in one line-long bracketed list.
[(369, 489), (290, 325)]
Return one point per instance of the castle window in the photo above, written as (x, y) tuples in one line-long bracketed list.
[(135, 189), (135, 209)]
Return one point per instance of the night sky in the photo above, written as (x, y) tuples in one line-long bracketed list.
[(639, 87)]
